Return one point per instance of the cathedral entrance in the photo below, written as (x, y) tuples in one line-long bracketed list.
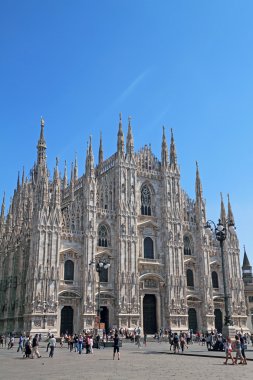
[(66, 320), (218, 320), (149, 314), (192, 320), (104, 317)]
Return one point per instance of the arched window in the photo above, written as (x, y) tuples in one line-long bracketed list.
[(215, 280), (189, 278), (145, 201), (148, 248), (103, 236), (187, 246), (69, 270)]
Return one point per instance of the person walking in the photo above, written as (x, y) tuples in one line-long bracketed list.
[(80, 344), (98, 341), (243, 343), (28, 348), (228, 351), (20, 343), (116, 346), (238, 350), (175, 343), (145, 339), (35, 346), (182, 342), (52, 343)]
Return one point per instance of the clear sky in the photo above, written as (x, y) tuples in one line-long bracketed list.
[(187, 65)]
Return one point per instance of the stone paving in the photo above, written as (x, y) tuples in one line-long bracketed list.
[(151, 362)]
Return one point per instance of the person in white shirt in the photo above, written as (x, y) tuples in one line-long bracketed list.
[(52, 343)]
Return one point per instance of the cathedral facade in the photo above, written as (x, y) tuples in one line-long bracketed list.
[(130, 211)]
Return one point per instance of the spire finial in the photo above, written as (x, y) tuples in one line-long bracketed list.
[(100, 153), (165, 154), (2, 209), (130, 140), (120, 142), (173, 156), (41, 147), (222, 211), (230, 212)]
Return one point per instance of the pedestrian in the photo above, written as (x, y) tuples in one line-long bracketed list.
[(243, 344), (28, 348), (20, 343), (228, 351), (91, 344), (176, 343), (48, 342), (98, 341), (52, 342), (87, 343), (116, 346), (11, 342), (182, 342), (35, 346), (80, 344), (145, 339), (237, 348)]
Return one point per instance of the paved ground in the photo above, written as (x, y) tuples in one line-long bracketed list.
[(153, 362)]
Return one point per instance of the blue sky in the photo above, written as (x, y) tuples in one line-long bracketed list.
[(187, 65)]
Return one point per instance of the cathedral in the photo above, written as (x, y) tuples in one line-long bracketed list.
[(163, 268)]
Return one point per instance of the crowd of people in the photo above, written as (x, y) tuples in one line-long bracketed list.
[(87, 340)]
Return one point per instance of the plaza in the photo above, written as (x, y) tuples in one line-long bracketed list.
[(151, 362)]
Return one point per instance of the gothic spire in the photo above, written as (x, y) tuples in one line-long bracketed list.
[(65, 177), (2, 210), (18, 182), (56, 170), (173, 156), (165, 155), (130, 140), (23, 176), (57, 185), (76, 169), (41, 147), (89, 161), (120, 144), (223, 217), (101, 152), (198, 185), (230, 213)]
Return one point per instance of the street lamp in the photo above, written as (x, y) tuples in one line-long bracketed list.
[(100, 265), (221, 235)]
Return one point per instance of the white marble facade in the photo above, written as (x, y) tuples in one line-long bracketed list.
[(129, 209)]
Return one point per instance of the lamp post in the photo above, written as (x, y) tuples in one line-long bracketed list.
[(100, 265), (220, 231)]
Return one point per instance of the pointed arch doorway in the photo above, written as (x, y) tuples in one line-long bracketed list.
[(67, 320), (192, 320), (218, 320), (149, 314)]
